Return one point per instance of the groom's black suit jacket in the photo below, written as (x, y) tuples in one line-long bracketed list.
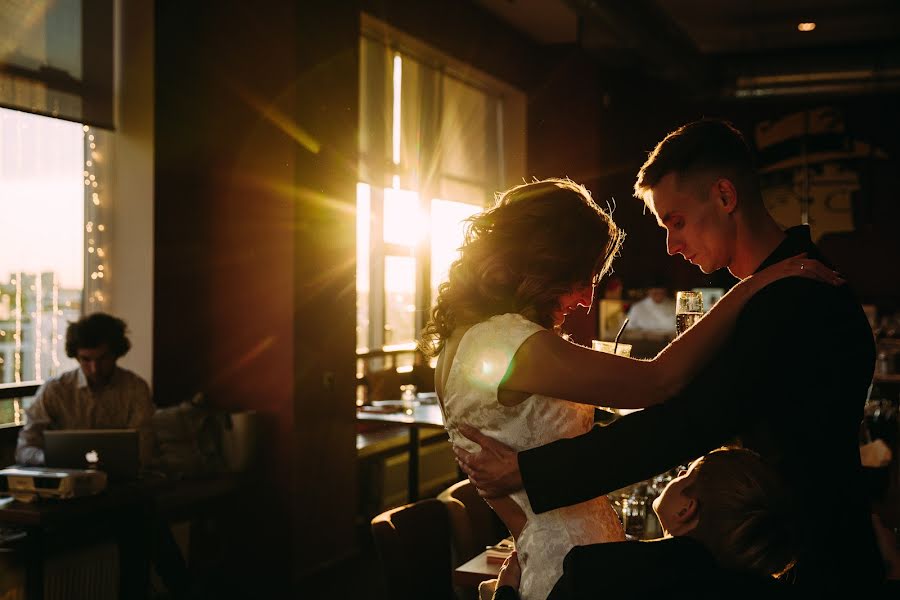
[(790, 383)]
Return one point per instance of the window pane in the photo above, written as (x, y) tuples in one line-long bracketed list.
[(410, 134), (374, 111), (58, 58), (447, 231), (363, 225), (464, 192), (463, 131), (403, 222), (12, 410), (42, 187), (399, 299), (35, 34)]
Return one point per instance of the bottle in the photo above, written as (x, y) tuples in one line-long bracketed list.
[(882, 364), (634, 514), (408, 397)]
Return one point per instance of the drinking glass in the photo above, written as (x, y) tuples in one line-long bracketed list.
[(688, 310), (611, 347), (619, 350)]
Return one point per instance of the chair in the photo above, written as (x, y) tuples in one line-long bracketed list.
[(413, 544), (475, 525)]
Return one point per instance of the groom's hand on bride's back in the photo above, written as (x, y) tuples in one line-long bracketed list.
[(494, 470)]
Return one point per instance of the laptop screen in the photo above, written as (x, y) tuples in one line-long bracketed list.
[(113, 451)]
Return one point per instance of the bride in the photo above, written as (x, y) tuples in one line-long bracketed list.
[(503, 367)]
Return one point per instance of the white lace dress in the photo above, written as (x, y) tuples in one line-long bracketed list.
[(470, 396)]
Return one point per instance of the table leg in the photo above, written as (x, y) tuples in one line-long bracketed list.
[(134, 541), (413, 464), (34, 564)]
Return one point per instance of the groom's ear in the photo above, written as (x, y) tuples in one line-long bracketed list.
[(687, 516), (726, 195)]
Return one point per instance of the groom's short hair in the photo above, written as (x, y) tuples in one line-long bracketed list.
[(705, 147)]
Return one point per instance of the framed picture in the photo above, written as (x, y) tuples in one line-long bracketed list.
[(612, 315)]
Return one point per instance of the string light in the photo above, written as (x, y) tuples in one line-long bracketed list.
[(17, 336), (54, 327), (38, 320), (95, 229)]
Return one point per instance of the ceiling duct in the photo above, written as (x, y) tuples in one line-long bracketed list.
[(641, 28), (865, 81)]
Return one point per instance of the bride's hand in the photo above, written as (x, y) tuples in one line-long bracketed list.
[(510, 573), (799, 266)]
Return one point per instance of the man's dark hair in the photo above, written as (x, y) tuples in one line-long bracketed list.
[(708, 146), (94, 330), (745, 512)]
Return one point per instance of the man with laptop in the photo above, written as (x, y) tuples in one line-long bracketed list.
[(98, 395), (100, 416)]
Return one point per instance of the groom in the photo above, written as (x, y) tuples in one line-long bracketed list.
[(790, 382)]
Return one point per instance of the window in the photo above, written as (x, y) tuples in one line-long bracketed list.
[(56, 60), (431, 155), (54, 240)]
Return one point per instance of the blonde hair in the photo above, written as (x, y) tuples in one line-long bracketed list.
[(744, 512), (538, 241)]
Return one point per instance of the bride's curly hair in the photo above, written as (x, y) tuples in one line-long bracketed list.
[(538, 241)]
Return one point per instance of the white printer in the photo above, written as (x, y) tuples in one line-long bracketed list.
[(29, 483)]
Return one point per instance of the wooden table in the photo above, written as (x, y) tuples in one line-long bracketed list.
[(422, 415), (121, 513), (474, 571), (125, 513)]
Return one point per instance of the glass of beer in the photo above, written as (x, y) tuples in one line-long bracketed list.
[(688, 310)]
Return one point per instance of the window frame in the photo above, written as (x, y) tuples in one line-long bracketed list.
[(380, 171)]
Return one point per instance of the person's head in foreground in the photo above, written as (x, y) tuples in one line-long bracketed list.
[(539, 252), (736, 506), (97, 341), (701, 184)]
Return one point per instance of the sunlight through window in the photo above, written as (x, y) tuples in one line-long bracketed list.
[(403, 222), (399, 299), (447, 232), (431, 140)]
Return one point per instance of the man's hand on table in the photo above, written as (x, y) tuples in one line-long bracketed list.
[(494, 470)]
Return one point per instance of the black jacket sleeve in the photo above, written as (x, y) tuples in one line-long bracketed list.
[(741, 383), (505, 592)]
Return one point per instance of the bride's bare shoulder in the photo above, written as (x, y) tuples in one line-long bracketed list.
[(445, 359)]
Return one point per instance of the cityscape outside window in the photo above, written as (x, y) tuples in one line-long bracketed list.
[(51, 197)]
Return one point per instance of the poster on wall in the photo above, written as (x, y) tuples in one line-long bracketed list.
[(810, 167)]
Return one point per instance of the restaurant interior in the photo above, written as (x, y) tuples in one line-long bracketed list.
[(273, 191)]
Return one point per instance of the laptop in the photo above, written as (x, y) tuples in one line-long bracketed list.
[(113, 451)]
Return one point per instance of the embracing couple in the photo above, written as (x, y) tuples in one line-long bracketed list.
[(782, 363)]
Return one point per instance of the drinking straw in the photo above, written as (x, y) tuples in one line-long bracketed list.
[(618, 335)]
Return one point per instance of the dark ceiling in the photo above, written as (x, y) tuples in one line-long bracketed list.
[(742, 48)]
